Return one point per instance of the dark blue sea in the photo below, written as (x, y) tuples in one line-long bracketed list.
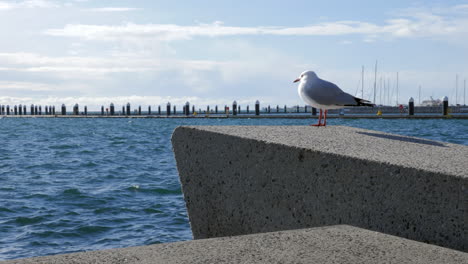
[(70, 185)]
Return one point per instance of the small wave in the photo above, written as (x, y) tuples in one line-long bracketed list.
[(137, 188), (37, 195), (166, 191), (63, 146), (103, 210), (152, 211), (72, 192), (28, 220), (86, 230), (6, 210), (86, 152), (90, 164)]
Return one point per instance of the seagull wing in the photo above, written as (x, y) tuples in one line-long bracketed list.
[(327, 93)]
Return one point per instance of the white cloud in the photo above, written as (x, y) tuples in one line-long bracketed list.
[(4, 5), (420, 24), (113, 9), (26, 86), (31, 62)]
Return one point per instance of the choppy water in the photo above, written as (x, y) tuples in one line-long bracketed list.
[(70, 185)]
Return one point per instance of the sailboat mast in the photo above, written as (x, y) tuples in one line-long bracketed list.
[(380, 94), (464, 92), (384, 92), (456, 89), (389, 90), (397, 88), (362, 89), (419, 94), (375, 81)]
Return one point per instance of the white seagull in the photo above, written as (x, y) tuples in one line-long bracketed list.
[(325, 95)]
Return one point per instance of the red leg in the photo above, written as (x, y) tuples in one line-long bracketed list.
[(325, 118), (319, 120)]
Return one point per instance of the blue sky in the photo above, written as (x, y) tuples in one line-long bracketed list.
[(213, 52)]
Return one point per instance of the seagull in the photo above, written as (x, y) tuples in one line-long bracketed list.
[(325, 95)]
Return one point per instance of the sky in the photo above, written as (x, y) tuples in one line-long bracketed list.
[(94, 52)]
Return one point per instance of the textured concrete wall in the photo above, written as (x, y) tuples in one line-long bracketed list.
[(336, 244), (242, 180)]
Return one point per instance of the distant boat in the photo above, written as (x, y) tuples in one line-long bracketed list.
[(431, 102)]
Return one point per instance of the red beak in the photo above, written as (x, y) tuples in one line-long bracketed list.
[(298, 79)]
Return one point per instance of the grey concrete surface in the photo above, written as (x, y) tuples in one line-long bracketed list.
[(336, 244), (251, 179)]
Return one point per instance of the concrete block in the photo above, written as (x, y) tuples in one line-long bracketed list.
[(249, 179), (336, 244)]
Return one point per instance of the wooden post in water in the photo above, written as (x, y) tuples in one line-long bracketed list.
[(102, 110), (193, 109), (248, 110), (76, 110), (32, 109), (112, 109), (285, 108), (53, 109), (445, 106), (128, 109), (40, 110), (175, 110), (149, 109), (35, 110), (64, 109), (269, 109), (123, 109), (86, 110), (168, 109), (139, 110), (187, 108), (20, 109), (8, 109), (238, 109), (234, 108), (411, 106), (277, 108), (159, 109), (216, 109), (257, 107), (16, 110)]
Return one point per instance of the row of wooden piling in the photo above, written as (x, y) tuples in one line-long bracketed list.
[(172, 109), (126, 110)]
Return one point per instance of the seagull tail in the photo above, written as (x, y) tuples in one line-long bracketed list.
[(362, 102)]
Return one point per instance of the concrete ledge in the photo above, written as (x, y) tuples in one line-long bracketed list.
[(241, 180), (337, 244)]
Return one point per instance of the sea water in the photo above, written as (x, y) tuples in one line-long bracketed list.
[(70, 185)]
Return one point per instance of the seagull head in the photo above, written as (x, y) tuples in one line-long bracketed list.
[(306, 75)]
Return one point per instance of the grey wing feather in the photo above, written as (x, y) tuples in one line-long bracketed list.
[(328, 93)]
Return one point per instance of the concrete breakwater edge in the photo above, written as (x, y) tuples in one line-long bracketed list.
[(297, 194), (240, 180)]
